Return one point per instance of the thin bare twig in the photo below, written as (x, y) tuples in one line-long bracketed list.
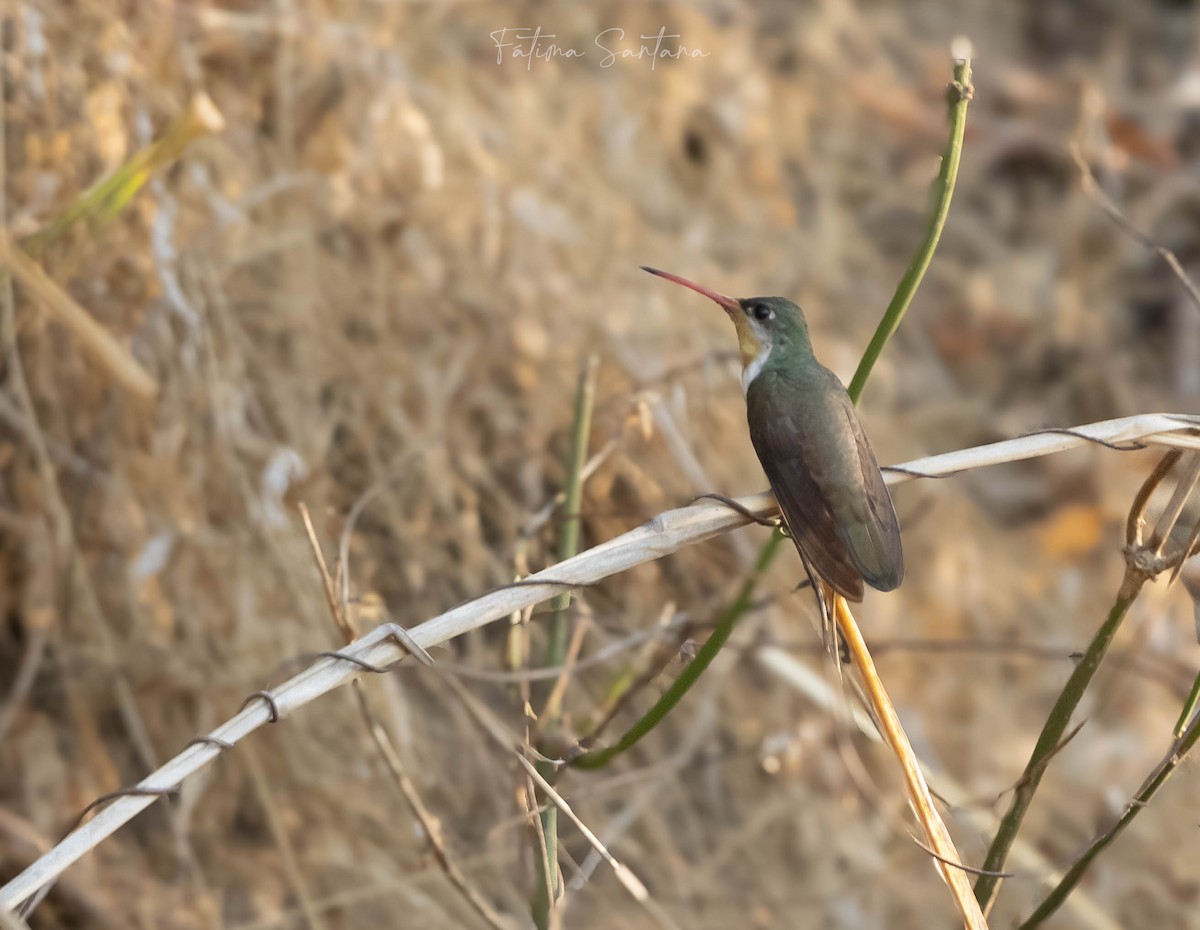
[(283, 841), (113, 358), (1095, 193), (1174, 509), (342, 576)]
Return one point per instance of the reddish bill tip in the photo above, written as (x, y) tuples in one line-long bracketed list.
[(728, 303)]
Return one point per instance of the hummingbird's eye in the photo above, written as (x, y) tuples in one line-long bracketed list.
[(761, 312)]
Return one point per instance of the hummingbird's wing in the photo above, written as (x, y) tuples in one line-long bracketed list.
[(827, 483), (778, 437), (872, 533)]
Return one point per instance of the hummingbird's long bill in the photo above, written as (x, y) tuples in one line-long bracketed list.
[(728, 303)]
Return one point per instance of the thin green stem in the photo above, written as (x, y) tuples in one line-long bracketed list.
[(546, 888), (1050, 739), (688, 677), (568, 537), (1163, 771), (960, 93), (1051, 736), (1189, 708)]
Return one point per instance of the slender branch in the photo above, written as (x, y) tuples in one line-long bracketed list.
[(1163, 771), (1136, 575), (959, 95), (494, 728), (1094, 192), (104, 349), (386, 748)]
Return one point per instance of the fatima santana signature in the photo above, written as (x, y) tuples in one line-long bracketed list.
[(529, 44)]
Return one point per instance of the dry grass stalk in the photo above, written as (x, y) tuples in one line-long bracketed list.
[(661, 536), (97, 341), (429, 822), (265, 790), (387, 749), (940, 841)]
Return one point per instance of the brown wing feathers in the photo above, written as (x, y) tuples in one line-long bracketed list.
[(860, 537), (781, 451)]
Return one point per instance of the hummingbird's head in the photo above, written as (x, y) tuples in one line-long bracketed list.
[(763, 323)]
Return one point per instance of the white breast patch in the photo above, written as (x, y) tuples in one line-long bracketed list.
[(751, 371)]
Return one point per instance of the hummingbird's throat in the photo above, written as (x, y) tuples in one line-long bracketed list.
[(754, 350)]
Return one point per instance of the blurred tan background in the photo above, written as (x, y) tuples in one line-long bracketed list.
[(390, 267)]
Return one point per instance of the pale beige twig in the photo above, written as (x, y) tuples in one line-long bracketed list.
[(659, 537), (1174, 509), (533, 811), (340, 620), (554, 699), (954, 864), (430, 823), (96, 341)]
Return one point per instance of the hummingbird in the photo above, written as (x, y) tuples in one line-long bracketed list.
[(812, 447)]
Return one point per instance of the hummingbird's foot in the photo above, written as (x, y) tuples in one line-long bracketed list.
[(843, 649), (739, 508)]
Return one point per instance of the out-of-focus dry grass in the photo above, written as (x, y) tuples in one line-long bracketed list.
[(389, 266)]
